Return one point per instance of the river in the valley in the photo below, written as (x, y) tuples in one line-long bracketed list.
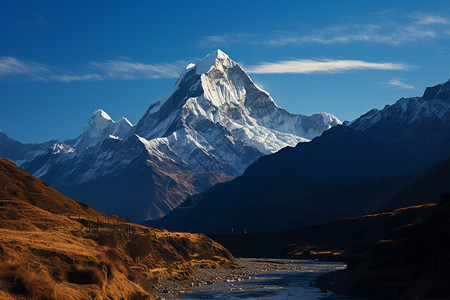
[(279, 284)]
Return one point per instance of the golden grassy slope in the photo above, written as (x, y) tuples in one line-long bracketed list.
[(46, 253)]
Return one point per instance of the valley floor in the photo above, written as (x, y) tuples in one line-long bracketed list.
[(247, 267)]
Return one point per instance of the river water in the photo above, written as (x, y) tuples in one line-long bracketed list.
[(280, 284)]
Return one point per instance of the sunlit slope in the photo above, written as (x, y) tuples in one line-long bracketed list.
[(54, 247)]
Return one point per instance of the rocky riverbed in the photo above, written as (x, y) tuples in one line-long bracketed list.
[(246, 268)]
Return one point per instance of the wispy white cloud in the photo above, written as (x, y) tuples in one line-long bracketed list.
[(306, 66), (399, 84), (120, 69), (11, 67), (358, 33), (418, 26), (225, 39), (70, 78), (429, 19)]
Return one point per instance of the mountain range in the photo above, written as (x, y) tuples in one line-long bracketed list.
[(348, 171), (209, 129)]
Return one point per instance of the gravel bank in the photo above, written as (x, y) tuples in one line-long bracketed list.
[(169, 289)]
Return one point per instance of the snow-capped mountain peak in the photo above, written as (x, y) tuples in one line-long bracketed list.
[(101, 114), (216, 59), (193, 79), (215, 107), (100, 127)]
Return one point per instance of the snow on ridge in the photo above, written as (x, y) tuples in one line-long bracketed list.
[(156, 147), (126, 121), (101, 113), (62, 148), (101, 127), (410, 110), (190, 66), (205, 65), (216, 60)]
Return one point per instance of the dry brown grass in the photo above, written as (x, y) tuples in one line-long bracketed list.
[(16, 184), (47, 255)]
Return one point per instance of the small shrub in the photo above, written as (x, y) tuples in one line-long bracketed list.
[(21, 281), (140, 246), (85, 275), (107, 238)]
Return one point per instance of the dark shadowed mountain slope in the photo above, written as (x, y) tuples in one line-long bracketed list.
[(345, 239), (278, 193), (412, 263), (339, 240), (429, 186), (336, 175), (19, 152)]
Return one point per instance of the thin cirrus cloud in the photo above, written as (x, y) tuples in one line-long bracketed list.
[(116, 69), (399, 84), (11, 67), (306, 66), (70, 78), (226, 39), (428, 19), (416, 27)]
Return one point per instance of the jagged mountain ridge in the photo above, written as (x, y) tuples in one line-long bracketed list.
[(19, 152), (406, 115), (213, 124), (99, 127)]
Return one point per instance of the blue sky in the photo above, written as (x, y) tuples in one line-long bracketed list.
[(62, 60)]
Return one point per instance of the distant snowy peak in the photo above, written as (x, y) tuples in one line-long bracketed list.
[(101, 127), (100, 114), (434, 104), (62, 148)]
